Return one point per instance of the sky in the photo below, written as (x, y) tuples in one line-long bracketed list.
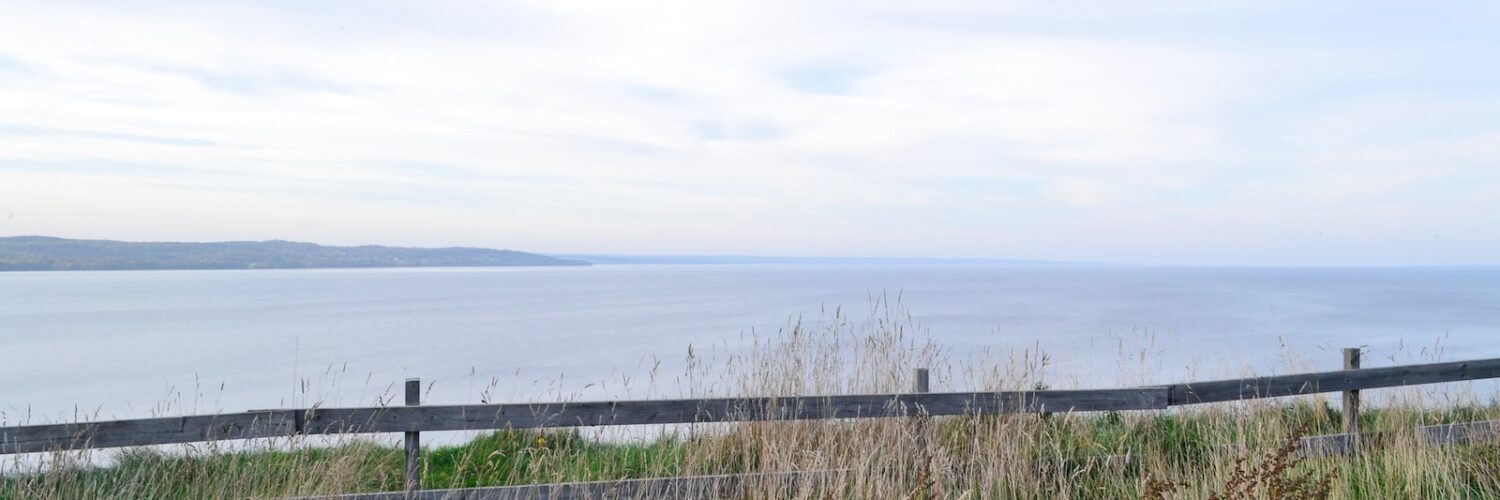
[(1201, 133)]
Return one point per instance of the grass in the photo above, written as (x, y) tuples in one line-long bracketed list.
[(1237, 450), (1014, 456)]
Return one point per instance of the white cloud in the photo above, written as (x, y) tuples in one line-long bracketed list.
[(1008, 130)]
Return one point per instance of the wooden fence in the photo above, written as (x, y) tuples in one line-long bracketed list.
[(415, 418)]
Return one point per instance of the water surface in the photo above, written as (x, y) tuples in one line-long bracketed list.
[(131, 343)]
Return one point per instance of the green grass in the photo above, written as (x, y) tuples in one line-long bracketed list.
[(1052, 454), (527, 457)]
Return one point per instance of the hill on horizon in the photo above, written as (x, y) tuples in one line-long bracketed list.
[(45, 253)]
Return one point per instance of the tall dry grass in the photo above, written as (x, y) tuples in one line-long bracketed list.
[(1238, 450)]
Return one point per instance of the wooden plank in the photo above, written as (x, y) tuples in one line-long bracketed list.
[(149, 431), (481, 417), (271, 423), (173, 430), (1350, 398), (713, 486), (1332, 445), (1312, 383), (675, 411), (1469, 432), (413, 439), (1436, 435), (1350, 401), (921, 383)]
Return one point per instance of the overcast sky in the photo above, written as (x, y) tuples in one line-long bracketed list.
[(1258, 132)]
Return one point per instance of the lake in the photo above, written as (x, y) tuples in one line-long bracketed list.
[(136, 343)]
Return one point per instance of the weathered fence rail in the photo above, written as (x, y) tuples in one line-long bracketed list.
[(1335, 381), (273, 423), (415, 418)]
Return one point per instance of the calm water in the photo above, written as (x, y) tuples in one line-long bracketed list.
[(117, 344)]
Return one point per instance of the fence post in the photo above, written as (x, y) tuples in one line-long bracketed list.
[(1351, 398), (413, 439), (919, 385)]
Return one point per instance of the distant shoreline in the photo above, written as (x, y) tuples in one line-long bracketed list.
[(44, 253)]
